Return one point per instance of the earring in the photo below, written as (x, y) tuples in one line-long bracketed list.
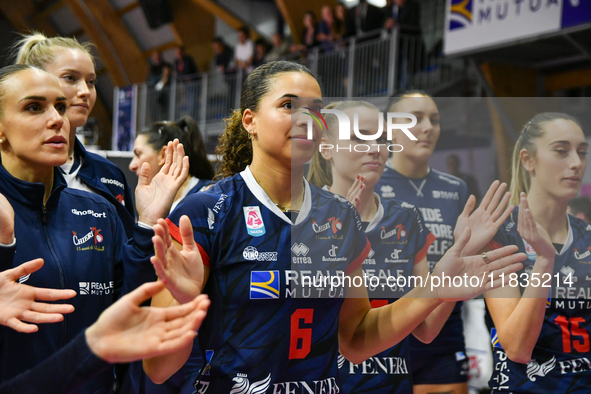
[(1, 140), (251, 134)]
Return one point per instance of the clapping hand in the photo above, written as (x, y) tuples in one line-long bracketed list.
[(478, 273), (154, 199), (181, 270), (126, 332), (19, 303), (486, 220)]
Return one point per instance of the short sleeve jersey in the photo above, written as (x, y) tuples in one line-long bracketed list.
[(560, 360), (441, 198), (399, 240), (264, 331)]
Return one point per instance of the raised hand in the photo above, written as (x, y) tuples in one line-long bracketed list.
[(181, 270), (126, 332), (473, 270), (19, 303), (153, 200), (486, 220), (6, 221), (356, 191), (532, 232)]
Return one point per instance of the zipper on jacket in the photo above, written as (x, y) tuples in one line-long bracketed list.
[(64, 338)]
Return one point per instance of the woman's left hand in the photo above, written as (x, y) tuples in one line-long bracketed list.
[(472, 274), (153, 200)]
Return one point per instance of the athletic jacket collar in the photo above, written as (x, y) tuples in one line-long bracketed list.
[(31, 194), (262, 196)]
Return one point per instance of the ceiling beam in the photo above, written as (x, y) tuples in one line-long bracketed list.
[(228, 17), (117, 48), (47, 12), (19, 14), (567, 80), (194, 27), (127, 8)]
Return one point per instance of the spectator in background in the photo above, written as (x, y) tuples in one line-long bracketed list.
[(406, 14), (308, 37), (156, 65), (223, 55), (343, 25), (260, 51), (366, 17), (325, 29), (279, 50), (161, 87), (244, 51), (453, 167), (580, 207), (186, 69)]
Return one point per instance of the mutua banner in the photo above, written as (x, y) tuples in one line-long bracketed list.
[(473, 25)]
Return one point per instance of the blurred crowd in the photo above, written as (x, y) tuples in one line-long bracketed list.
[(332, 30)]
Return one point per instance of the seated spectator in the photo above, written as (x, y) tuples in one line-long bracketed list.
[(186, 69), (260, 52), (244, 51), (279, 50), (223, 56), (580, 207), (406, 14), (325, 29)]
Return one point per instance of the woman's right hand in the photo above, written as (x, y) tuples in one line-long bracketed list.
[(181, 270), (6, 221), (531, 231), (486, 220), (356, 191)]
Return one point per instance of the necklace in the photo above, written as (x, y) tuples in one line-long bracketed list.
[(282, 208)]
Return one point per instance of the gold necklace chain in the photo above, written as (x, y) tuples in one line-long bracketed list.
[(281, 207)]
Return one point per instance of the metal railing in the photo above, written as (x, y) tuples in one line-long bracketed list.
[(357, 67)]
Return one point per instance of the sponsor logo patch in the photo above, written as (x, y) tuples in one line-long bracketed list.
[(254, 221), (252, 254), (264, 285)]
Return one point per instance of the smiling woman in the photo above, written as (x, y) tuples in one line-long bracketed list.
[(238, 239)]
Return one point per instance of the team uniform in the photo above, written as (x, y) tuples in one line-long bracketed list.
[(64, 372), (182, 381), (399, 240), (441, 198), (269, 330), (82, 241), (560, 360), (95, 174)]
